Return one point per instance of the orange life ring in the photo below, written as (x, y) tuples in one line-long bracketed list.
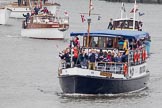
[(75, 53), (125, 69), (135, 57), (144, 55), (138, 56)]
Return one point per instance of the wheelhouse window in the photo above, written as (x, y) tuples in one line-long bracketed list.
[(125, 24), (101, 42)]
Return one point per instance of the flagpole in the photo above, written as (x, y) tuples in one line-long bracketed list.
[(89, 21), (134, 15), (121, 16)]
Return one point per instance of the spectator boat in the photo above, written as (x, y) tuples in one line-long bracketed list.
[(107, 77), (102, 65), (45, 26), (26, 6)]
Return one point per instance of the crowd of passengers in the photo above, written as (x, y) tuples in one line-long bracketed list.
[(86, 58)]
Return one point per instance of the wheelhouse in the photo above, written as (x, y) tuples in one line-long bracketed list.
[(125, 24)]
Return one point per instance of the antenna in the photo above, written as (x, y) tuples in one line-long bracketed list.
[(134, 14)]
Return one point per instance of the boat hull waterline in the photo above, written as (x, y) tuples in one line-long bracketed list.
[(43, 33), (95, 85)]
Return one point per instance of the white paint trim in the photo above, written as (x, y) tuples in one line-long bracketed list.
[(86, 72)]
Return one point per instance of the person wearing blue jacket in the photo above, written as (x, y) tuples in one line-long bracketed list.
[(92, 59)]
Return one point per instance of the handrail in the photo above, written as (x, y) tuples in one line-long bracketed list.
[(112, 67)]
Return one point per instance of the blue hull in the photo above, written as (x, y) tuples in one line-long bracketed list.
[(96, 85)]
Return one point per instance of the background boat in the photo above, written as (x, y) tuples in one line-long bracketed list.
[(45, 26), (17, 10)]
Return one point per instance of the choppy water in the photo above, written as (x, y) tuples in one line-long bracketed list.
[(28, 67)]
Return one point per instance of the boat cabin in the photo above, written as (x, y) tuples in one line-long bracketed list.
[(126, 24), (110, 45), (47, 21)]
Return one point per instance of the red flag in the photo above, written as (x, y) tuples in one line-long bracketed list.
[(132, 11), (82, 17), (66, 13)]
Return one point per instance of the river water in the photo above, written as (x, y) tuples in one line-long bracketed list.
[(28, 67)]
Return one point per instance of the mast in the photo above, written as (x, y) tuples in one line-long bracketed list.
[(89, 21), (134, 15), (121, 11)]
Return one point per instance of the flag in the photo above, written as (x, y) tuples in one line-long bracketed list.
[(66, 13), (82, 17), (123, 7), (132, 11), (99, 17), (135, 9), (141, 14)]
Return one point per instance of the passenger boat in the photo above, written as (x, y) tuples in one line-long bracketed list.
[(107, 77), (26, 6), (89, 72), (45, 26)]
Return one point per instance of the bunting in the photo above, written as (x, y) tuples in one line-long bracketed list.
[(82, 18), (99, 17), (132, 11), (66, 13), (123, 7), (141, 14), (135, 8)]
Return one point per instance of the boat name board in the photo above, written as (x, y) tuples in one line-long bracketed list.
[(107, 74)]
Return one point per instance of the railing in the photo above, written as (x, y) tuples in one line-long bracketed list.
[(112, 67), (137, 57)]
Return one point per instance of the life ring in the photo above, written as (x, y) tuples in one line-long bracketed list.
[(138, 56), (144, 55), (125, 69), (135, 57), (75, 53)]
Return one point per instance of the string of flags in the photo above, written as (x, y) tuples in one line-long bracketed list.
[(123, 7), (82, 18), (66, 13), (141, 13)]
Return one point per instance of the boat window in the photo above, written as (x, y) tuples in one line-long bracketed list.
[(84, 41), (130, 24), (94, 42), (126, 25), (109, 42), (101, 42)]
